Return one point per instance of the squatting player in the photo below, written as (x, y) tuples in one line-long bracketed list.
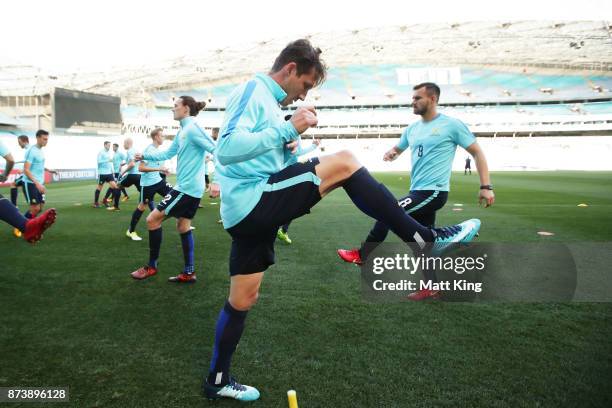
[(433, 141), (259, 194), (190, 144)]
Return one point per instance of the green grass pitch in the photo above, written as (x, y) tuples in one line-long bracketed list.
[(70, 315)]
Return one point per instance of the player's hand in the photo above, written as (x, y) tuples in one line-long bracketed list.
[(165, 170), (391, 155), (316, 142), (292, 146), (486, 197), (41, 188), (304, 118), (215, 190), (138, 157)]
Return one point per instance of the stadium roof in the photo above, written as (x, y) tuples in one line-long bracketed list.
[(567, 45)]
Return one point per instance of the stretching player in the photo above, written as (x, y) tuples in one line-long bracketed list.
[(105, 173), (151, 182), (190, 144), (433, 141), (118, 161), (130, 176), (34, 171), (24, 143), (259, 194)]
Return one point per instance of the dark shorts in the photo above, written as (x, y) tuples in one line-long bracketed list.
[(291, 193), (19, 180), (105, 178), (116, 176), (423, 204), (162, 175), (468, 166), (32, 195), (129, 180), (148, 192), (179, 205)]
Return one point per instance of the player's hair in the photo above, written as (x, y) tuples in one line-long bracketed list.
[(430, 87), (23, 138), (155, 131), (306, 58), (41, 132), (194, 106), (116, 144)]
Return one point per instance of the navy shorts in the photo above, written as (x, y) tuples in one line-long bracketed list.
[(179, 205), (105, 178), (130, 180), (148, 192), (19, 180), (116, 176), (289, 194), (32, 195), (422, 205)]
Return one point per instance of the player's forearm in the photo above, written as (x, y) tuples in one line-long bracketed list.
[(483, 168), (160, 156), (242, 145), (144, 169), (9, 166), (302, 151)]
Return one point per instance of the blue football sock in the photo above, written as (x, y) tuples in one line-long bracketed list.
[(375, 200), (10, 214), (97, 196), (187, 242), (230, 325), (155, 239), (14, 193), (151, 205), (135, 218)]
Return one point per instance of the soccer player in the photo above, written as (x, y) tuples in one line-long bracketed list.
[(260, 193), (151, 182), (190, 144), (283, 232), (433, 141), (130, 176), (34, 171), (105, 173), (468, 166), (24, 143), (118, 161), (10, 162)]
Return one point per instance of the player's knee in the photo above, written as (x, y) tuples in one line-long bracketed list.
[(245, 302), (152, 221), (346, 162)]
